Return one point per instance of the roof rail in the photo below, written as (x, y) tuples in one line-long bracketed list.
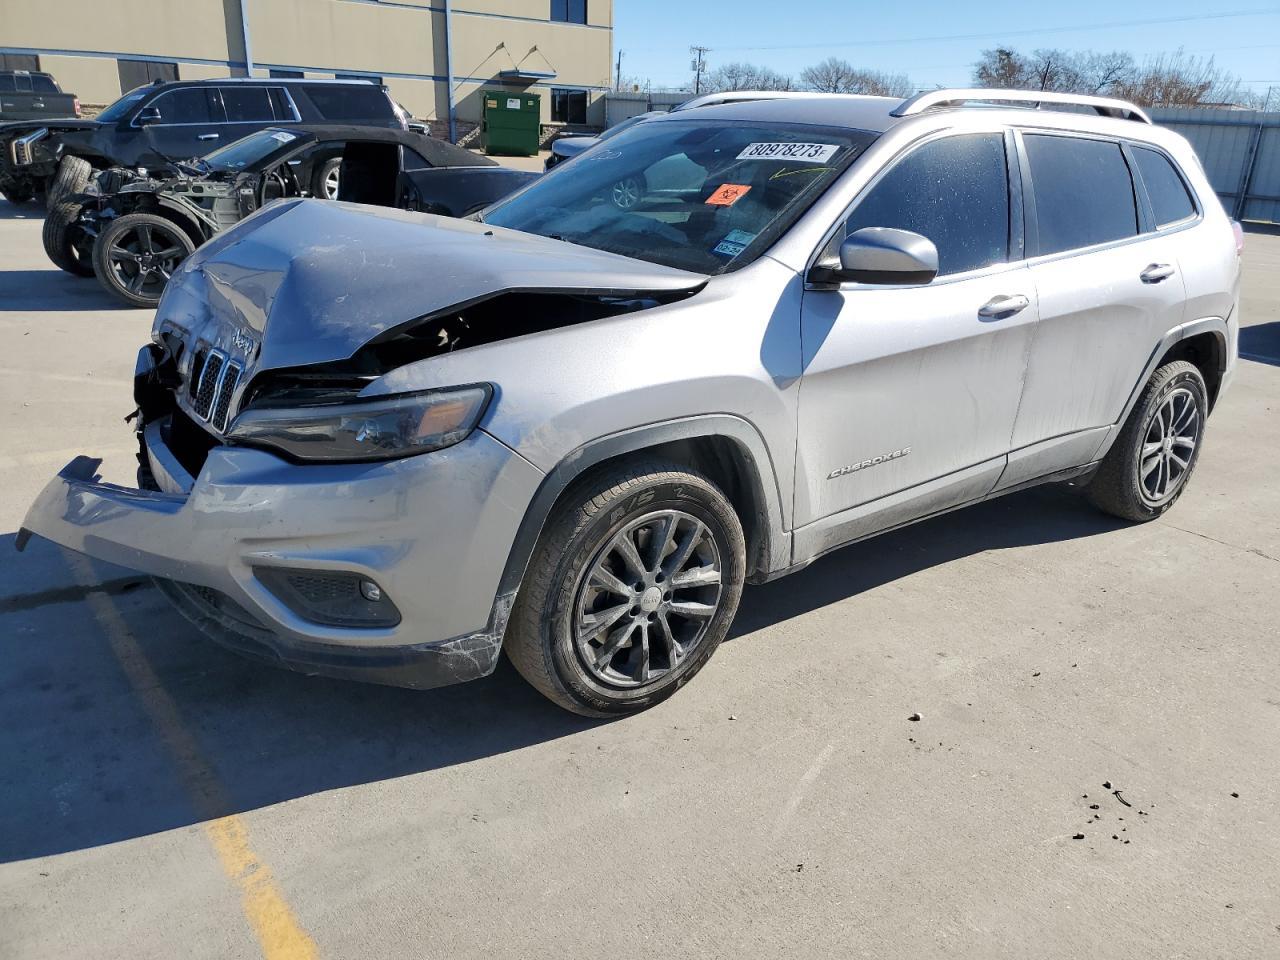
[(1105, 106)]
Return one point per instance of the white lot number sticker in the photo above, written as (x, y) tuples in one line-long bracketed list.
[(796, 152), (282, 136)]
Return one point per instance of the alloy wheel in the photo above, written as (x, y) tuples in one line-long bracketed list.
[(1168, 446), (331, 181), (144, 257), (647, 599), (626, 193)]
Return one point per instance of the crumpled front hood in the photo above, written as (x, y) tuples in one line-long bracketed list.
[(311, 281)]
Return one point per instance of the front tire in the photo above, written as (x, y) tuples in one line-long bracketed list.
[(71, 178), (1150, 463), (633, 585)]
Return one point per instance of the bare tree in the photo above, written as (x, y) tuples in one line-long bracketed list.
[(1176, 79), (834, 75), (745, 76)]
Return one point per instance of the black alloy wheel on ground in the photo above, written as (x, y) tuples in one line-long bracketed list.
[(1150, 463), (632, 586), (137, 254)]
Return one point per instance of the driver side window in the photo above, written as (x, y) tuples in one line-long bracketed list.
[(955, 191)]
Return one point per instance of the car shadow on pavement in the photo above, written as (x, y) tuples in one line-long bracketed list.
[(83, 761), (42, 291), (1261, 343), (21, 211)]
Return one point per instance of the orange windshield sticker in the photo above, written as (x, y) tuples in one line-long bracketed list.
[(727, 194)]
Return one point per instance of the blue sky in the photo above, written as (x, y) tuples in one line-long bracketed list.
[(655, 35)]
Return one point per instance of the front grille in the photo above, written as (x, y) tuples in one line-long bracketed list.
[(212, 385)]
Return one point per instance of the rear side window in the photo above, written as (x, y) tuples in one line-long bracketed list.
[(189, 105), (1166, 189), (354, 101), (247, 104), (955, 191), (42, 84), (1083, 192)]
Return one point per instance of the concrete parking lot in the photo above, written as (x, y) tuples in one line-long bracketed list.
[(160, 797)]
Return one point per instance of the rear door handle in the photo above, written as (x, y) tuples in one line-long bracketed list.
[(207, 136), (1157, 272), (997, 308)]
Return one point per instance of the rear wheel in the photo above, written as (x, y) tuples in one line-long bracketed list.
[(632, 587), (1150, 463), (136, 255), (325, 180), (65, 241), (72, 177)]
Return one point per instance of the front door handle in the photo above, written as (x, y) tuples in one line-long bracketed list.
[(207, 136), (997, 308), (1157, 272)]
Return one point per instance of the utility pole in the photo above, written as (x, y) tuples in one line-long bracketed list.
[(448, 69), (699, 66), (617, 77)]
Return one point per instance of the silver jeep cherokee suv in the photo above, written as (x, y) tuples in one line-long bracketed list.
[(384, 445)]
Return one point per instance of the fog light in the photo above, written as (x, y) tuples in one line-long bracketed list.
[(331, 597)]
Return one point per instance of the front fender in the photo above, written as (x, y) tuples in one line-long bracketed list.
[(753, 455)]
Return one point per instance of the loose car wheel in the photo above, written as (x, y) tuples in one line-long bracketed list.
[(630, 590), (72, 177), (136, 255), (65, 241), (1150, 463), (325, 181)]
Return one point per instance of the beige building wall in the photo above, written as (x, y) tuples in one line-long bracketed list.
[(79, 41)]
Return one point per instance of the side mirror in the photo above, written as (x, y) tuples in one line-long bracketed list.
[(148, 115), (880, 255)]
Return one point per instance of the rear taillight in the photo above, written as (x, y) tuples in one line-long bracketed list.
[(75, 102), (1239, 232)]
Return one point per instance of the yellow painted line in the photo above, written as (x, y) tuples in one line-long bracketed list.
[(273, 922)]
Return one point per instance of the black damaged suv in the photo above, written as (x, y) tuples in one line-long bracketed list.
[(174, 121)]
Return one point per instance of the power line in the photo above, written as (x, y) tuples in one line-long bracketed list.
[(1074, 28)]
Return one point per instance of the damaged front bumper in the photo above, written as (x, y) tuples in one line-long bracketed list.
[(246, 547)]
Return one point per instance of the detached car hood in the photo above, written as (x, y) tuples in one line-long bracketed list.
[(311, 281)]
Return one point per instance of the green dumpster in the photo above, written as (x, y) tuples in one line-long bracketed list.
[(512, 123)]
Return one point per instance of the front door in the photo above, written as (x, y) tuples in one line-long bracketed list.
[(190, 125), (910, 393)]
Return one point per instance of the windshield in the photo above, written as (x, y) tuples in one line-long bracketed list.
[(120, 108), (701, 195), (249, 150)]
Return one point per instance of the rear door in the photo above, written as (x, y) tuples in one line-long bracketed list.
[(910, 392), (1108, 292), (249, 109)]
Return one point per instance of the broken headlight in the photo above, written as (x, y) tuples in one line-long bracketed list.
[(377, 428)]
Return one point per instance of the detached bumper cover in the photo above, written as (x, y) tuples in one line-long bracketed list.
[(433, 531)]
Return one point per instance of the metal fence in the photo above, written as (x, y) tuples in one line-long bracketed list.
[(620, 106), (1240, 150)]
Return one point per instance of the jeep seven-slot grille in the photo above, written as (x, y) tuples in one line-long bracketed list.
[(213, 381)]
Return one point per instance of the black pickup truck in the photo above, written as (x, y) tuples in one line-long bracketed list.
[(26, 95), (163, 122)]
